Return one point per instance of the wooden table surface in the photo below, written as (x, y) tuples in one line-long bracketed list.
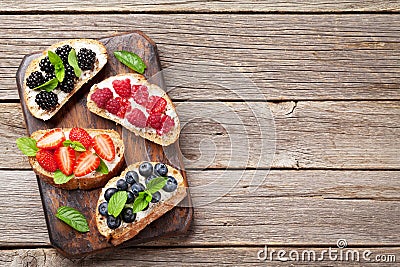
[(313, 156)]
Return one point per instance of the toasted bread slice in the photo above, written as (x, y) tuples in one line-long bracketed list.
[(29, 94), (147, 132), (91, 180), (127, 231)]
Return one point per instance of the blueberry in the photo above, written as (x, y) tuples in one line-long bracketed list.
[(146, 169), (171, 184), (128, 216), (131, 198), (151, 177), (103, 208), (112, 222), (122, 185), (132, 177), (146, 207), (136, 188), (156, 197), (160, 169), (109, 192)]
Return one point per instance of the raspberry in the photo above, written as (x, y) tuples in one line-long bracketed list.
[(101, 96), (136, 117), (154, 121), (156, 104), (46, 160), (141, 95), (122, 87), (125, 106), (167, 124), (113, 106)]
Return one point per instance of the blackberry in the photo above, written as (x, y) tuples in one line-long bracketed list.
[(63, 52), (67, 85), (49, 76), (35, 79), (86, 58), (69, 72), (46, 100), (46, 66)]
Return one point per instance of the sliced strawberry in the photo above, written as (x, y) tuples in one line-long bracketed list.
[(104, 147), (46, 160), (65, 158), (82, 136), (52, 139), (86, 163)]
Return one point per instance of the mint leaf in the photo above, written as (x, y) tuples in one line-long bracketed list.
[(27, 146), (117, 203), (73, 218), (73, 61), (61, 178), (56, 61), (148, 198), (131, 60), (140, 202), (48, 86), (156, 184), (102, 167), (75, 145)]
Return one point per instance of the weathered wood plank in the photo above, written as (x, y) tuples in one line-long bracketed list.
[(247, 208), (225, 256), (201, 6), (219, 56), (326, 134)]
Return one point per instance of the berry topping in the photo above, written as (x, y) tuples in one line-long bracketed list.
[(103, 208), (69, 72), (52, 139), (82, 136), (101, 96), (65, 158), (86, 163), (46, 160), (136, 188), (67, 85), (104, 147), (35, 79), (145, 169), (155, 121), (46, 66), (49, 76), (160, 169), (122, 87), (167, 124), (140, 95), (137, 118), (113, 106), (46, 100), (156, 197), (125, 106), (156, 104), (131, 177), (131, 198), (112, 222), (171, 184), (109, 193), (128, 216), (86, 58), (122, 185), (151, 177), (63, 52)]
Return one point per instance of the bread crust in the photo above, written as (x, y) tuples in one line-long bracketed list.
[(34, 66), (84, 183), (164, 140), (122, 234)]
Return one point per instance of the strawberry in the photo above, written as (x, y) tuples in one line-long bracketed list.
[(125, 106), (46, 160), (82, 136), (141, 95), (104, 146), (137, 118), (156, 104), (86, 163), (122, 87), (65, 158), (52, 139)]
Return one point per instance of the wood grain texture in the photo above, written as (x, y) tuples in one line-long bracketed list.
[(237, 256), (326, 134), (238, 207), (290, 57), (202, 6)]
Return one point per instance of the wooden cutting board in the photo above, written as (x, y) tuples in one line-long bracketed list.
[(75, 113)]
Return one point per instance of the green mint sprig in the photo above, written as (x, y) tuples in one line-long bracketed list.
[(59, 68), (73, 218), (131, 60), (73, 61), (146, 196), (75, 145), (48, 86)]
